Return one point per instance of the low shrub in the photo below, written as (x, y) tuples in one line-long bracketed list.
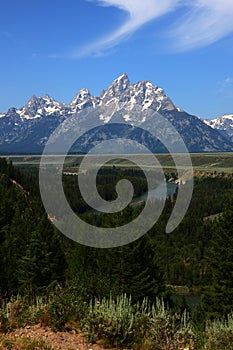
[(64, 305), (111, 320), (219, 334), (119, 323), (169, 330), (115, 322)]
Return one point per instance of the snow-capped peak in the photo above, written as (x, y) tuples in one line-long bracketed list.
[(130, 96), (227, 116), (223, 124), (135, 103), (32, 101), (119, 85), (81, 96), (48, 99), (123, 79), (219, 122), (38, 107), (82, 100), (121, 93)]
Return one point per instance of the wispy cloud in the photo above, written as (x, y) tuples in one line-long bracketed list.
[(204, 22), (140, 12), (225, 84)]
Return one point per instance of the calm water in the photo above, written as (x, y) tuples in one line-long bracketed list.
[(192, 300), (163, 191), (167, 187)]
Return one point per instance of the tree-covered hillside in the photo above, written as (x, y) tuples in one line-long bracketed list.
[(31, 257), (34, 257)]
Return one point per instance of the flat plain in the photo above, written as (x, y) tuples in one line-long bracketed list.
[(207, 162)]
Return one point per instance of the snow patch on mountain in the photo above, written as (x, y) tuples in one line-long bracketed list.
[(82, 100), (38, 107), (223, 124), (136, 104), (120, 93), (220, 122)]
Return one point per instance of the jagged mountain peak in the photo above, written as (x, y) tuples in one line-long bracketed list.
[(38, 107), (48, 99), (217, 122), (120, 91), (12, 110), (119, 85), (81, 96), (123, 79), (135, 103), (39, 101), (32, 100), (142, 93), (146, 84), (227, 116), (223, 124), (148, 89), (82, 100)]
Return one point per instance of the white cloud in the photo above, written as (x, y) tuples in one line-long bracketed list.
[(228, 80), (204, 22), (225, 84), (139, 11)]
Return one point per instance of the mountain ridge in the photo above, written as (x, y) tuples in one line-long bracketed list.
[(29, 127), (223, 124), (84, 98)]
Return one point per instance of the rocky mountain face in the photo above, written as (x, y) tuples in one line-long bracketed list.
[(224, 125), (27, 130)]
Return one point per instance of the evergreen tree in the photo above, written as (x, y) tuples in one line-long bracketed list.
[(218, 296), (31, 256)]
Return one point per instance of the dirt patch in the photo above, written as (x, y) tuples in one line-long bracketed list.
[(58, 340)]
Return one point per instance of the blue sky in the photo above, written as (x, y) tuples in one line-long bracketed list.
[(59, 47)]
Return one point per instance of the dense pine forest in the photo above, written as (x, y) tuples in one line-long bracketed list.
[(39, 262)]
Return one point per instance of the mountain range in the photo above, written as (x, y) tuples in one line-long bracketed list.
[(26, 130), (223, 124)]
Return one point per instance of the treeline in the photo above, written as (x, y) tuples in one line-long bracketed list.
[(34, 256), (31, 257)]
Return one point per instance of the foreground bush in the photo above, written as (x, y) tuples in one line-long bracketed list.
[(64, 305), (119, 323), (19, 312), (219, 334), (116, 322)]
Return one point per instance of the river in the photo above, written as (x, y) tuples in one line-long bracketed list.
[(168, 188)]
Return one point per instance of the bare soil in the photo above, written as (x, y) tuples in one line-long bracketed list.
[(58, 340)]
